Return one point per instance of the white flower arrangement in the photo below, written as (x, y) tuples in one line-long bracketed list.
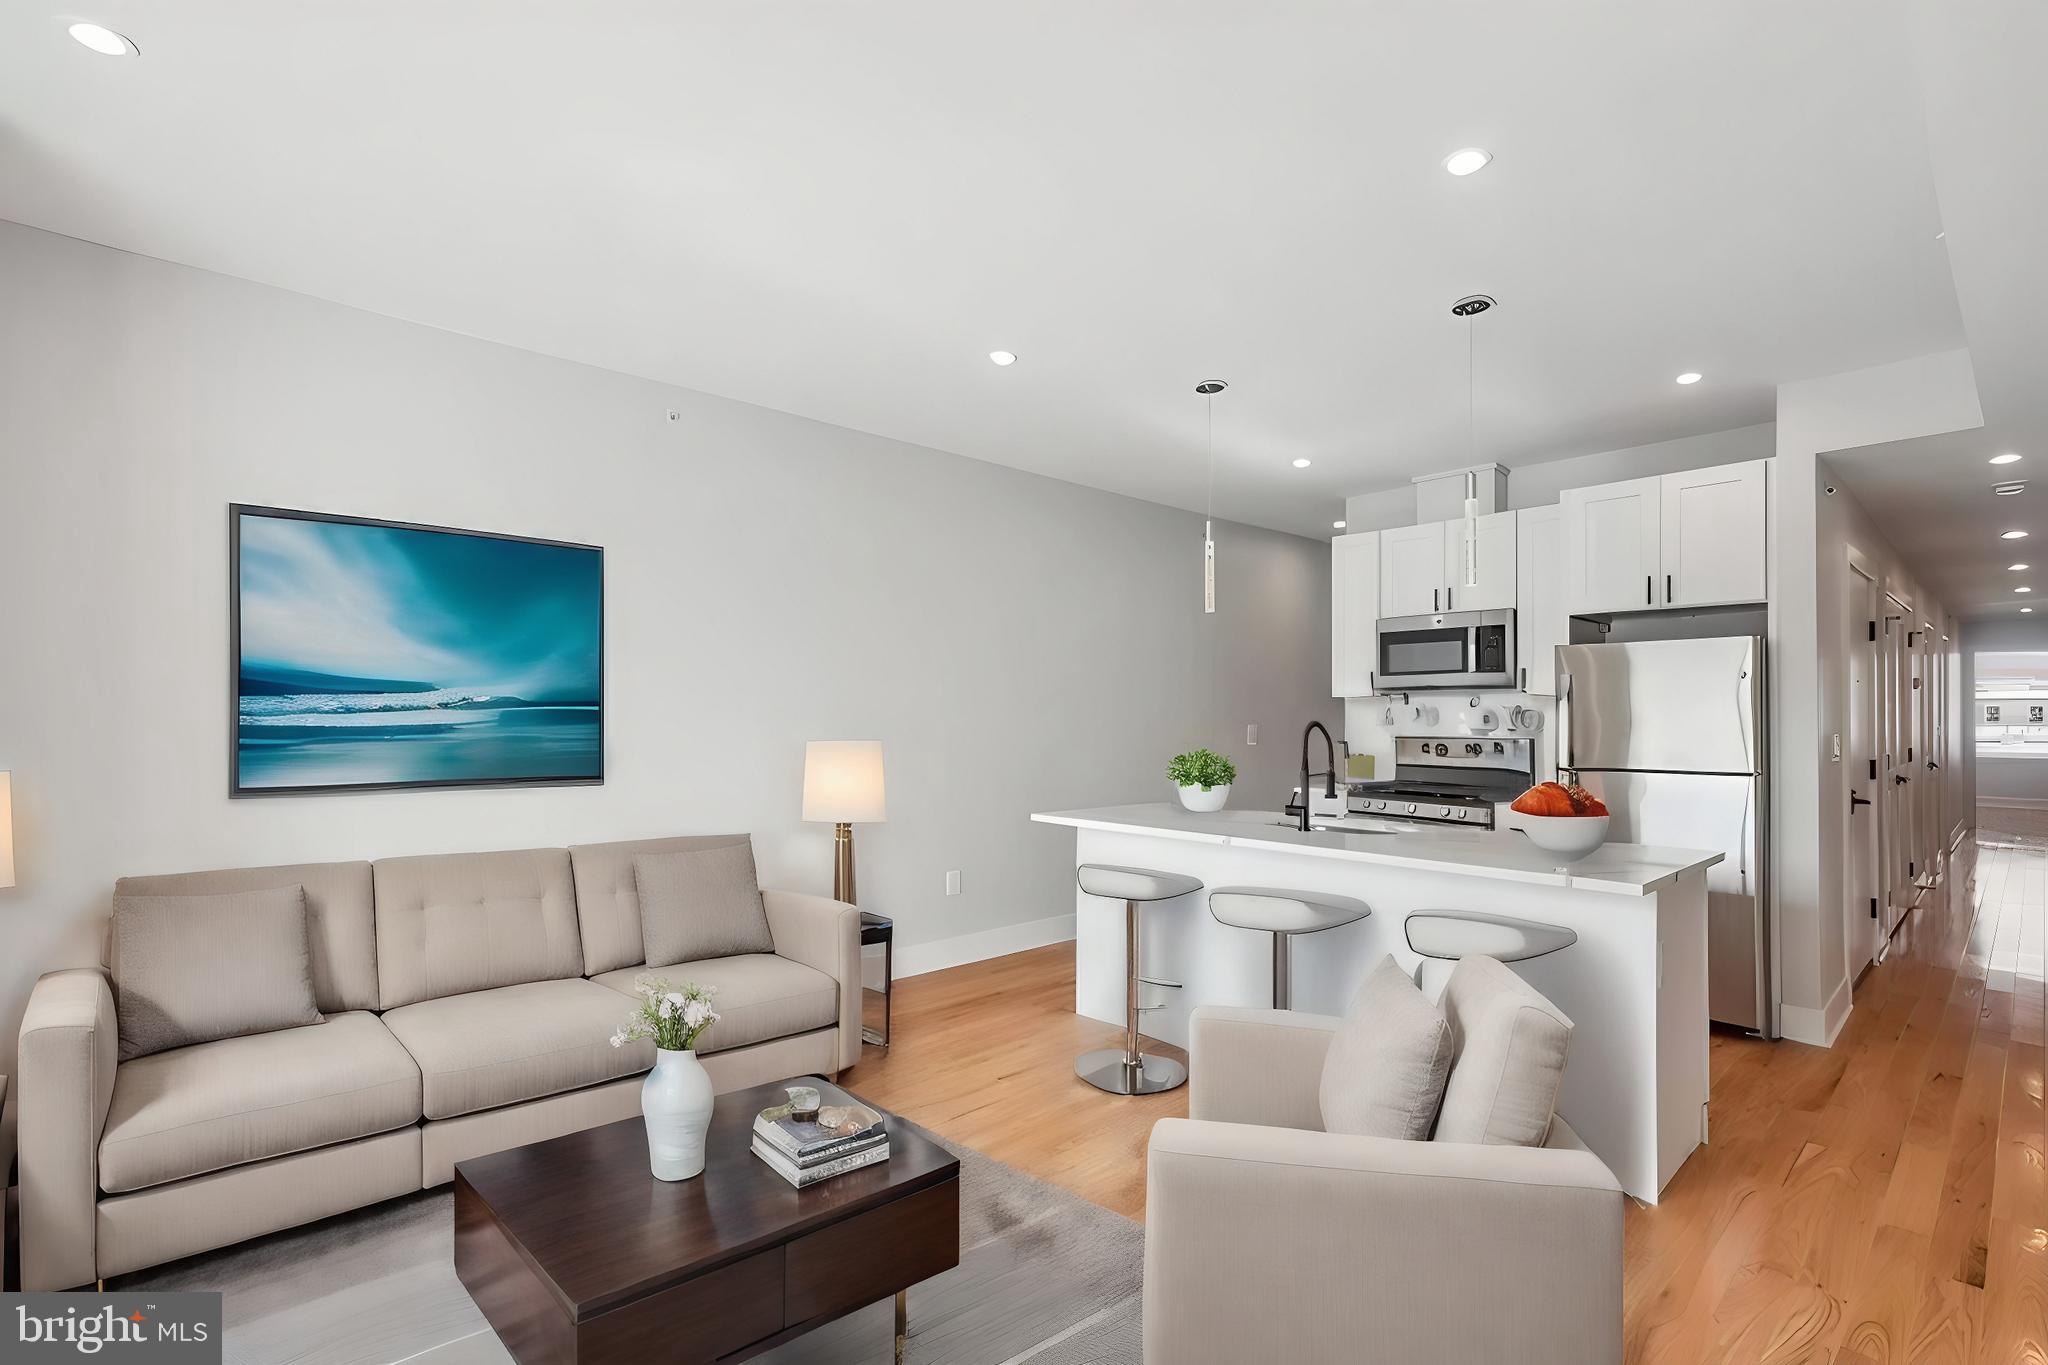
[(672, 1018)]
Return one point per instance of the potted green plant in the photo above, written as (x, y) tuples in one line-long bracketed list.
[(1204, 777)]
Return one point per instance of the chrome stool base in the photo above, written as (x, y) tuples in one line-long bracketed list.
[(1106, 1069)]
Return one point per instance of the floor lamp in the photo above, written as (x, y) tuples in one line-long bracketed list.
[(843, 785)]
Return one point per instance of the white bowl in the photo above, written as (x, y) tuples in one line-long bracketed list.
[(1573, 836)]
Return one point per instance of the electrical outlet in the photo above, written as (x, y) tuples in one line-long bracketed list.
[(1251, 734), (674, 416), (953, 882)]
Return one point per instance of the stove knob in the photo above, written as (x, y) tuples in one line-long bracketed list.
[(1411, 808), (1379, 805), (1458, 814), (1447, 812)]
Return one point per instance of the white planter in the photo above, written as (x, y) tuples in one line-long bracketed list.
[(675, 1100), (1194, 798)]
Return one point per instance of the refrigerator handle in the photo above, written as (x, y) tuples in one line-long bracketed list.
[(1565, 757)]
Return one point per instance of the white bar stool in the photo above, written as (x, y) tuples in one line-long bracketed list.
[(1283, 914), (1127, 1071)]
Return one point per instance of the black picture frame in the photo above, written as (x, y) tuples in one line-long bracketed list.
[(236, 791)]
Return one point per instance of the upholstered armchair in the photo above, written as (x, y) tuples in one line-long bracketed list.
[(1268, 1239)]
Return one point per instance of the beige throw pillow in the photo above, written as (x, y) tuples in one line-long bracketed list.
[(191, 969), (1384, 1072), (1511, 1049), (700, 903)]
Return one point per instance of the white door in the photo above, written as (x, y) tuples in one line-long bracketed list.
[(1495, 551), (1714, 535), (1612, 552), (1861, 920), (1354, 612), (1412, 570), (1895, 823), (1540, 623)]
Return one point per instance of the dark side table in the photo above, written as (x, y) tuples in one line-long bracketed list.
[(879, 929)]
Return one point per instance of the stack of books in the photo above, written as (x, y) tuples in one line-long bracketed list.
[(844, 1136)]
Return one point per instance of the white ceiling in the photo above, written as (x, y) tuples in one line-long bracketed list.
[(838, 209), (1986, 110)]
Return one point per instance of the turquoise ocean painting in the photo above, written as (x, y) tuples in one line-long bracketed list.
[(373, 654)]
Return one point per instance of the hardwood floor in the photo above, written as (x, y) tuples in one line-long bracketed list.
[(1881, 1201)]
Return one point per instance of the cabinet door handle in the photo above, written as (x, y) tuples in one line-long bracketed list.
[(1525, 680), (1667, 589), (1435, 599), (1649, 590)]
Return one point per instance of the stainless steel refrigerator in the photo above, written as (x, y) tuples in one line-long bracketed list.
[(1671, 735)]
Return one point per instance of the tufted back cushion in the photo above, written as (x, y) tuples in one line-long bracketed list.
[(341, 921), (455, 922), (608, 898)]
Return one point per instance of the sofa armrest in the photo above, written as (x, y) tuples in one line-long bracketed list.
[(1257, 1066), (69, 1044), (1279, 1244), (822, 933)]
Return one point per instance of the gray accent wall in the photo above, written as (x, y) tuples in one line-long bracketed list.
[(1016, 642)]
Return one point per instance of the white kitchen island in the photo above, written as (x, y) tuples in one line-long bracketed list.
[(1634, 983)]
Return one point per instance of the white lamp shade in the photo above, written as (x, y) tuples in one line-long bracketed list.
[(6, 829), (843, 781)]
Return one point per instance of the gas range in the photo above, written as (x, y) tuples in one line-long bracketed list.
[(1447, 780)]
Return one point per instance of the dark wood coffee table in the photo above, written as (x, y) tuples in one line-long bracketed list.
[(576, 1254)]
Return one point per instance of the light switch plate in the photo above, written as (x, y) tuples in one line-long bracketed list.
[(1251, 734), (953, 882)]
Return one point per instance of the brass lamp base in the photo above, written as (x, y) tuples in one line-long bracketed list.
[(842, 863)]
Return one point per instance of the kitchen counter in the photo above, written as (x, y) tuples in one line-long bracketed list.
[(1506, 855), (1633, 980)]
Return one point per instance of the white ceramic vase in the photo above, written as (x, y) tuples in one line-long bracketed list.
[(1194, 798), (675, 1099)]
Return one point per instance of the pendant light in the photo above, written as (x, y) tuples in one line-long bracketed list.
[(1468, 308), (1209, 388)]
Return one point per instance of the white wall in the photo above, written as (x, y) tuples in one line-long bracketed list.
[(1538, 485), (1812, 533), (1016, 642)]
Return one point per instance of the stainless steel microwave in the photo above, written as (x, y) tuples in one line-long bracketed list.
[(1451, 649)]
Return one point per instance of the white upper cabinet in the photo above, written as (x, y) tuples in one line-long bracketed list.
[(1613, 555), (1496, 554), (1412, 570), (1715, 535), (1541, 624), (1354, 612)]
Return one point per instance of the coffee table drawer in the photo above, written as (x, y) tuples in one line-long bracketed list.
[(700, 1319), (872, 1255)]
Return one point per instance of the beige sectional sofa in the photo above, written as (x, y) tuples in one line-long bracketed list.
[(469, 1001)]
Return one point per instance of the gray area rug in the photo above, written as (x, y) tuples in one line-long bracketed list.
[(1044, 1277)]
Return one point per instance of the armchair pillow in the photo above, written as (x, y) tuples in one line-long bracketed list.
[(1384, 1073), (193, 969), (1511, 1047), (700, 903)]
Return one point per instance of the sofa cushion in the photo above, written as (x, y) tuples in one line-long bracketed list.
[(758, 997), (700, 904), (215, 1105), (487, 1048), (1384, 1073), (608, 898), (452, 923), (1509, 1060), (192, 969), (341, 920)]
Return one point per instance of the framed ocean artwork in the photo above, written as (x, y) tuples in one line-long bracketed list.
[(376, 655)]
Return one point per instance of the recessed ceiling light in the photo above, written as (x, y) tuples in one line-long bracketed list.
[(1336, 525), (2022, 588), (2012, 535), (2009, 490), (2025, 610), (1301, 464), (2007, 458), (102, 40), (1003, 357), (1689, 377), (1466, 160), (2015, 568)]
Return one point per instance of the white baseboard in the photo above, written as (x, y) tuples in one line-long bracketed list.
[(2014, 802), (1818, 1027), (916, 959)]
